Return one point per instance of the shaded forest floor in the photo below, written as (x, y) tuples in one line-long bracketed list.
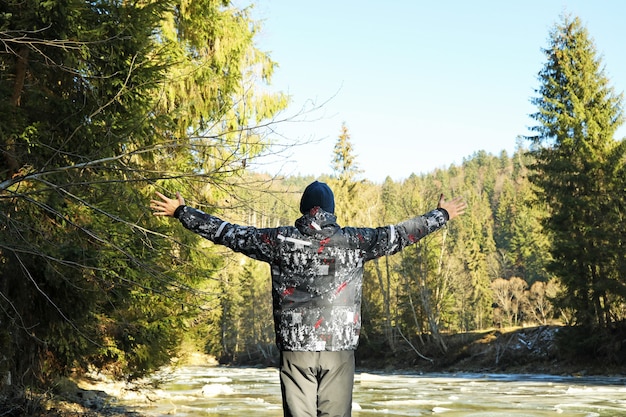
[(535, 350)]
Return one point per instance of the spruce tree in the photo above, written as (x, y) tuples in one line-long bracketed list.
[(102, 102), (575, 150)]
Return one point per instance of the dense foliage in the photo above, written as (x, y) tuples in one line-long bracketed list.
[(102, 103)]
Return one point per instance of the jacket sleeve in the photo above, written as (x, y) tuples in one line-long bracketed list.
[(248, 240), (392, 239)]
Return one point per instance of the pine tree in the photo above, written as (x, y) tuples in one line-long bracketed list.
[(102, 102), (344, 183), (578, 114)]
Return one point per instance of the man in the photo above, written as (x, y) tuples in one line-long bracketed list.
[(317, 276)]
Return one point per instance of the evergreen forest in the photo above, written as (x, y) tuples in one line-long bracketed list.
[(104, 102)]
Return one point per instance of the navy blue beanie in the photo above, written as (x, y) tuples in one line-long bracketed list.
[(317, 194)]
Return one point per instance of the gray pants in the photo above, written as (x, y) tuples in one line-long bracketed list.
[(316, 384)]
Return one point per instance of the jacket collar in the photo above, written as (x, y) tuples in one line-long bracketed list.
[(317, 223)]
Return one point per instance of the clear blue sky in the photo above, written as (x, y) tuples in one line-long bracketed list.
[(420, 85)]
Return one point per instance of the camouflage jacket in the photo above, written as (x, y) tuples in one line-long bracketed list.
[(316, 267)]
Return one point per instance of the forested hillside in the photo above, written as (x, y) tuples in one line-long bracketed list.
[(486, 269)]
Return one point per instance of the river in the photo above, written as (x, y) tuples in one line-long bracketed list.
[(214, 391)]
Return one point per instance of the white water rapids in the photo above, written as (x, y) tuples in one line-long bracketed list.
[(212, 391)]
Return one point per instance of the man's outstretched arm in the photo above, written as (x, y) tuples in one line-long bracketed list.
[(253, 242)]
